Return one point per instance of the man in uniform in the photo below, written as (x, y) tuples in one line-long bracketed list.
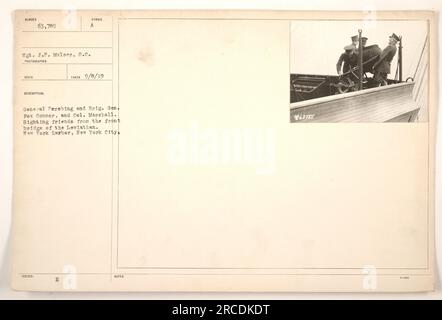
[(355, 42), (364, 41), (383, 66), (345, 59)]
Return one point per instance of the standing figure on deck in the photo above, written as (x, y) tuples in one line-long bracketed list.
[(383, 66), (355, 41), (364, 41), (345, 59)]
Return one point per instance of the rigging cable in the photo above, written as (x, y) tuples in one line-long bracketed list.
[(420, 58)]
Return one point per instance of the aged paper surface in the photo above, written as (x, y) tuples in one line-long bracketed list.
[(156, 151)]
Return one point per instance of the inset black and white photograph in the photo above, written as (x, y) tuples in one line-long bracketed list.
[(359, 71)]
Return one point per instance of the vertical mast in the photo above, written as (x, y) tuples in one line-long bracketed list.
[(400, 59), (361, 72)]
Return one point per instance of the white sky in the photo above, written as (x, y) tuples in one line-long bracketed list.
[(317, 45)]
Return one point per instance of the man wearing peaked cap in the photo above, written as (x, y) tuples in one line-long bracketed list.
[(354, 41), (364, 41), (395, 37), (383, 66), (345, 58)]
